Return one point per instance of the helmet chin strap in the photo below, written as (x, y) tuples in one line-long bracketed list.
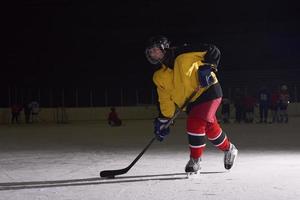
[(168, 59)]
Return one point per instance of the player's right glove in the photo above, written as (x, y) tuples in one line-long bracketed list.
[(205, 76), (160, 130)]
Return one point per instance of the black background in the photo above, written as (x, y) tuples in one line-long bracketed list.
[(85, 43)]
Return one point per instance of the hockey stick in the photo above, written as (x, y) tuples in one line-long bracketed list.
[(113, 173)]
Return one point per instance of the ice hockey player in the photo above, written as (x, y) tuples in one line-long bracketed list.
[(284, 100), (180, 71)]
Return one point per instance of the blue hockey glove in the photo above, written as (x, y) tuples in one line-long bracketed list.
[(205, 76), (159, 128)]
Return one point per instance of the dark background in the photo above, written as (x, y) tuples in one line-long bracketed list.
[(65, 43)]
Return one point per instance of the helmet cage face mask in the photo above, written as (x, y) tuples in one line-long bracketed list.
[(161, 43), (149, 53)]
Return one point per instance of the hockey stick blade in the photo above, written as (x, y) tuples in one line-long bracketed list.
[(113, 173)]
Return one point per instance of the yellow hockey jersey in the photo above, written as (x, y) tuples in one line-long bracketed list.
[(175, 85)]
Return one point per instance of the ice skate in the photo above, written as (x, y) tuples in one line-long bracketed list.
[(192, 168), (230, 156)]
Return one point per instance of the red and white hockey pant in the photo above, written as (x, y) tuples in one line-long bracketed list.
[(199, 127)]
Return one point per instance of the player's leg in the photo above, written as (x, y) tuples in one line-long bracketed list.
[(219, 139), (196, 137)]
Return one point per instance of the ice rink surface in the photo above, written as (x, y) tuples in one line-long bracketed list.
[(63, 161)]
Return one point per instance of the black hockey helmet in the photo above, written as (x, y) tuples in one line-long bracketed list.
[(160, 42)]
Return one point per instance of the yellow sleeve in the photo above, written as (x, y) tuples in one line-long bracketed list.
[(162, 79)]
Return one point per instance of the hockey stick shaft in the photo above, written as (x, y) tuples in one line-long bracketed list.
[(112, 173), (187, 101)]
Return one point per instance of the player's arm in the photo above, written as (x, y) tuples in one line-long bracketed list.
[(166, 105), (166, 108), (211, 57)]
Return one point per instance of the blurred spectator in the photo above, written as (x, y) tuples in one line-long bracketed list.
[(113, 118), (34, 106), (284, 100), (249, 103), (238, 104), (225, 110), (15, 113), (274, 106), (264, 103), (27, 112)]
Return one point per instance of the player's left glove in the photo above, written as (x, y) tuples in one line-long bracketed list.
[(160, 129), (212, 56)]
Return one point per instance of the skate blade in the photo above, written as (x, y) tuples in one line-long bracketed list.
[(229, 166), (192, 175)]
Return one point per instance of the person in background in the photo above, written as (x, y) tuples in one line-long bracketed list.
[(35, 110), (284, 100), (113, 118), (225, 110), (27, 112), (238, 97), (15, 113), (274, 106), (249, 103), (264, 103)]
